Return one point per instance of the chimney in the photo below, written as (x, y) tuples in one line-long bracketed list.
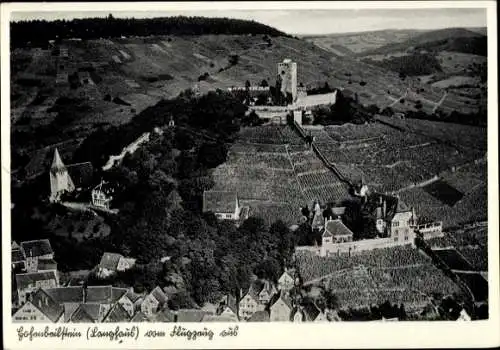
[(384, 210)]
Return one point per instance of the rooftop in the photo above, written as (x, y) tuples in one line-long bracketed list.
[(24, 280), (336, 228), (190, 315), (110, 261), (37, 248), (41, 300), (117, 314)]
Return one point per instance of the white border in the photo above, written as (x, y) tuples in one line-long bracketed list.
[(274, 335)]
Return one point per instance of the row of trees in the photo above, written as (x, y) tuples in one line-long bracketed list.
[(37, 33)]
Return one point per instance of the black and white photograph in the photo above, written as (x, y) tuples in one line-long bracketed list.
[(249, 165)]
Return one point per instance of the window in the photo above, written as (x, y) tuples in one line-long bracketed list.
[(406, 238), (395, 223), (395, 239)]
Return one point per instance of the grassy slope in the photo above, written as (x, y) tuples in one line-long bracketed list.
[(177, 62)]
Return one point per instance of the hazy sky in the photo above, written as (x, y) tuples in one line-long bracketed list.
[(311, 21)]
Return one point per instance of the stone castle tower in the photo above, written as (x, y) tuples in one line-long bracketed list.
[(60, 181), (287, 71)]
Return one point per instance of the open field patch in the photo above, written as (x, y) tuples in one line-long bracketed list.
[(444, 192)]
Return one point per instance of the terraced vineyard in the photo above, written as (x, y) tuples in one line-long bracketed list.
[(399, 275)]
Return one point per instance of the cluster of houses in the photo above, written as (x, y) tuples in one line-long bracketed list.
[(41, 298)]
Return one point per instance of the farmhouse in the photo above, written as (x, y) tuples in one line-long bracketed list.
[(113, 262), (228, 308), (224, 204)]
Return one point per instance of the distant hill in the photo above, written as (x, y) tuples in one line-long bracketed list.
[(450, 39), (349, 44), (38, 33)]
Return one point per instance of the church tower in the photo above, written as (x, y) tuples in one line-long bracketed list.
[(60, 181)]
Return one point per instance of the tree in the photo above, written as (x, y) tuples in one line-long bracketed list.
[(264, 83)]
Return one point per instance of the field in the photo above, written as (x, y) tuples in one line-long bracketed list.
[(276, 174), (471, 243), (477, 284), (444, 192), (399, 275), (453, 259)]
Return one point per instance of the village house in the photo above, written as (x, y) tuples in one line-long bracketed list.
[(228, 308), (131, 302), (34, 251), (308, 312), (154, 301), (29, 282), (18, 260), (40, 308), (116, 314), (281, 308), (224, 204), (259, 316), (336, 232), (256, 299), (286, 280), (102, 195), (112, 262)]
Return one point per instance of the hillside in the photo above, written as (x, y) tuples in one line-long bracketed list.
[(68, 92), (110, 27), (458, 38), (350, 44)]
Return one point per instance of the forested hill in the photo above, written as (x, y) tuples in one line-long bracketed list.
[(38, 33)]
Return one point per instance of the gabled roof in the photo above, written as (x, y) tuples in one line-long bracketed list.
[(281, 296), (14, 245), (190, 315), (17, 255), (98, 294), (81, 173), (255, 289), (81, 315), (219, 201), (402, 207), (47, 264), (117, 314), (66, 294), (158, 294), (230, 302), (37, 247), (285, 274), (337, 228), (117, 293), (133, 296), (140, 317), (23, 280), (259, 316), (310, 310), (104, 187), (110, 261), (43, 302), (163, 316)]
